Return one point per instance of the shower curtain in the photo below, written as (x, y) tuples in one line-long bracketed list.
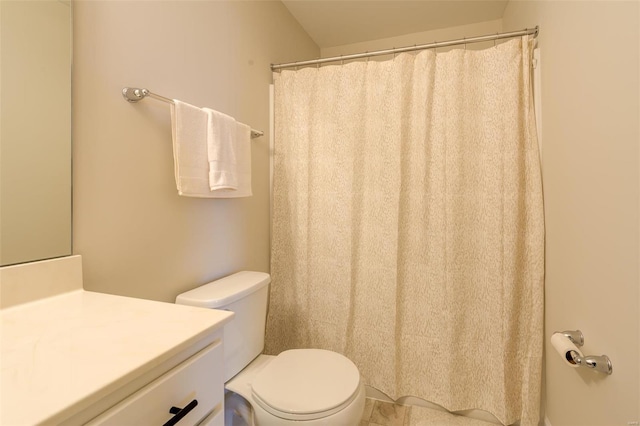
[(408, 225)]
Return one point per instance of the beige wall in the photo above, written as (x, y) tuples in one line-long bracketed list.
[(136, 235), (590, 72), (451, 33), (35, 136)]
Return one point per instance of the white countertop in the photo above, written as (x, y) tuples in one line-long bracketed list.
[(63, 353)]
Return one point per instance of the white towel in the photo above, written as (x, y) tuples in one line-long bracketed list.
[(222, 149), (243, 165), (189, 131), (189, 126)]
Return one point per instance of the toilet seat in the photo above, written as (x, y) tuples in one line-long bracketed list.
[(306, 384)]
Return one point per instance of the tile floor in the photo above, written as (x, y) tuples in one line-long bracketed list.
[(380, 413)]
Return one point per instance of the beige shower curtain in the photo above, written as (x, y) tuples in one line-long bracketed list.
[(408, 225)]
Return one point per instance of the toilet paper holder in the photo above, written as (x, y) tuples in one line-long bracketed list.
[(600, 363)]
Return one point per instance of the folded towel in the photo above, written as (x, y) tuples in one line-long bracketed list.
[(243, 165), (221, 149), (189, 127), (189, 131)]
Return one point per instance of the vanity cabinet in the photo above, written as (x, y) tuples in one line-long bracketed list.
[(85, 358), (190, 394)]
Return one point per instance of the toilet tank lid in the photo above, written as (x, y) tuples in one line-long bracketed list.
[(224, 291)]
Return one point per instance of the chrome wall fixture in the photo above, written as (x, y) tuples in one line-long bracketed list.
[(600, 363), (134, 94)]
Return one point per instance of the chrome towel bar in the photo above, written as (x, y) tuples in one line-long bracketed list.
[(134, 94)]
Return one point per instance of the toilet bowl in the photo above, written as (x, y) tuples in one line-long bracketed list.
[(301, 386)]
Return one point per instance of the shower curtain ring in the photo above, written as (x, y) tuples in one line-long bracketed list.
[(464, 39), (435, 49), (341, 60)]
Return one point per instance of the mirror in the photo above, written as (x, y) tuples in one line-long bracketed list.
[(35, 130)]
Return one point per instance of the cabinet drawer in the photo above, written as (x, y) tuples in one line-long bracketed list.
[(199, 378)]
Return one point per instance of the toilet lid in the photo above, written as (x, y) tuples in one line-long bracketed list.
[(308, 383)]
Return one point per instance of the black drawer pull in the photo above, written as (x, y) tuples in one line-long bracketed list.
[(180, 413)]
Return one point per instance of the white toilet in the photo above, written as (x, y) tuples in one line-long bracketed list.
[(301, 386)]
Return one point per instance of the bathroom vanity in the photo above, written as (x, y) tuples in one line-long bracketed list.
[(79, 357)]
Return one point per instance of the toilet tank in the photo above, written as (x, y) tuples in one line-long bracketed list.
[(245, 294)]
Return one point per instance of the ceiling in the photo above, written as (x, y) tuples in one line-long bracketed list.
[(334, 23)]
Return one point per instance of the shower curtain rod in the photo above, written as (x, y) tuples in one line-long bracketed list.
[(434, 45), (133, 95)]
